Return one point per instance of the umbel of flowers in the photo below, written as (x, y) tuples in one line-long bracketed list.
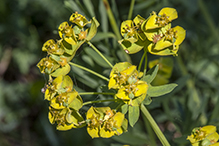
[(204, 136), (64, 103), (155, 34), (126, 79), (104, 122), (61, 51)]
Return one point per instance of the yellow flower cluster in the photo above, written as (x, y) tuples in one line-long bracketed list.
[(204, 136), (60, 52), (155, 33), (125, 78), (64, 107), (104, 122), (64, 103)]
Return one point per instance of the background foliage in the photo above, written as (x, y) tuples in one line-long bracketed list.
[(26, 24)]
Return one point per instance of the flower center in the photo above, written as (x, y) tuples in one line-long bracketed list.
[(162, 20)]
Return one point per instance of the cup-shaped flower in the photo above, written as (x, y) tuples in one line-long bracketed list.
[(104, 122), (66, 32), (113, 125), (129, 31), (64, 67), (47, 65), (80, 33), (78, 19), (94, 121), (125, 78), (119, 74), (205, 136), (67, 100), (65, 118), (51, 47), (134, 92), (165, 40), (134, 38), (61, 84), (164, 17)]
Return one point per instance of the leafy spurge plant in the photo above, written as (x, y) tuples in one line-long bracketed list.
[(129, 87)]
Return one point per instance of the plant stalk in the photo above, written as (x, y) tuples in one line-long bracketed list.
[(154, 125), (131, 9), (104, 58), (90, 71), (141, 61), (95, 93), (98, 101)]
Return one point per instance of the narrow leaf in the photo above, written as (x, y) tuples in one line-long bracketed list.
[(151, 74), (103, 16), (155, 91), (89, 6), (99, 60), (102, 35), (133, 115), (71, 5)]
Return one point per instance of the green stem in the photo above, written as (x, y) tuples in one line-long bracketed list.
[(88, 70), (146, 62), (141, 61), (104, 58), (96, 93), (99, 101), (150, 132), (117, 108), (131, 9), (154, 125), (112, 19)]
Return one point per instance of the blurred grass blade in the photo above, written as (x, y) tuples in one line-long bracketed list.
[(71, 5), (102, 35), (89, 7), (103, 14)]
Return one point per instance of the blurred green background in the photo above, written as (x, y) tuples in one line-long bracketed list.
[(26, 24)]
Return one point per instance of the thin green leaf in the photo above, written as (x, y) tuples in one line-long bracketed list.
[(133, 115), (85, 78), (104, 18), (151, 74), (88, 60), (99, 60), (155, 91), (70, 4), (102, 35), (89, 7)]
